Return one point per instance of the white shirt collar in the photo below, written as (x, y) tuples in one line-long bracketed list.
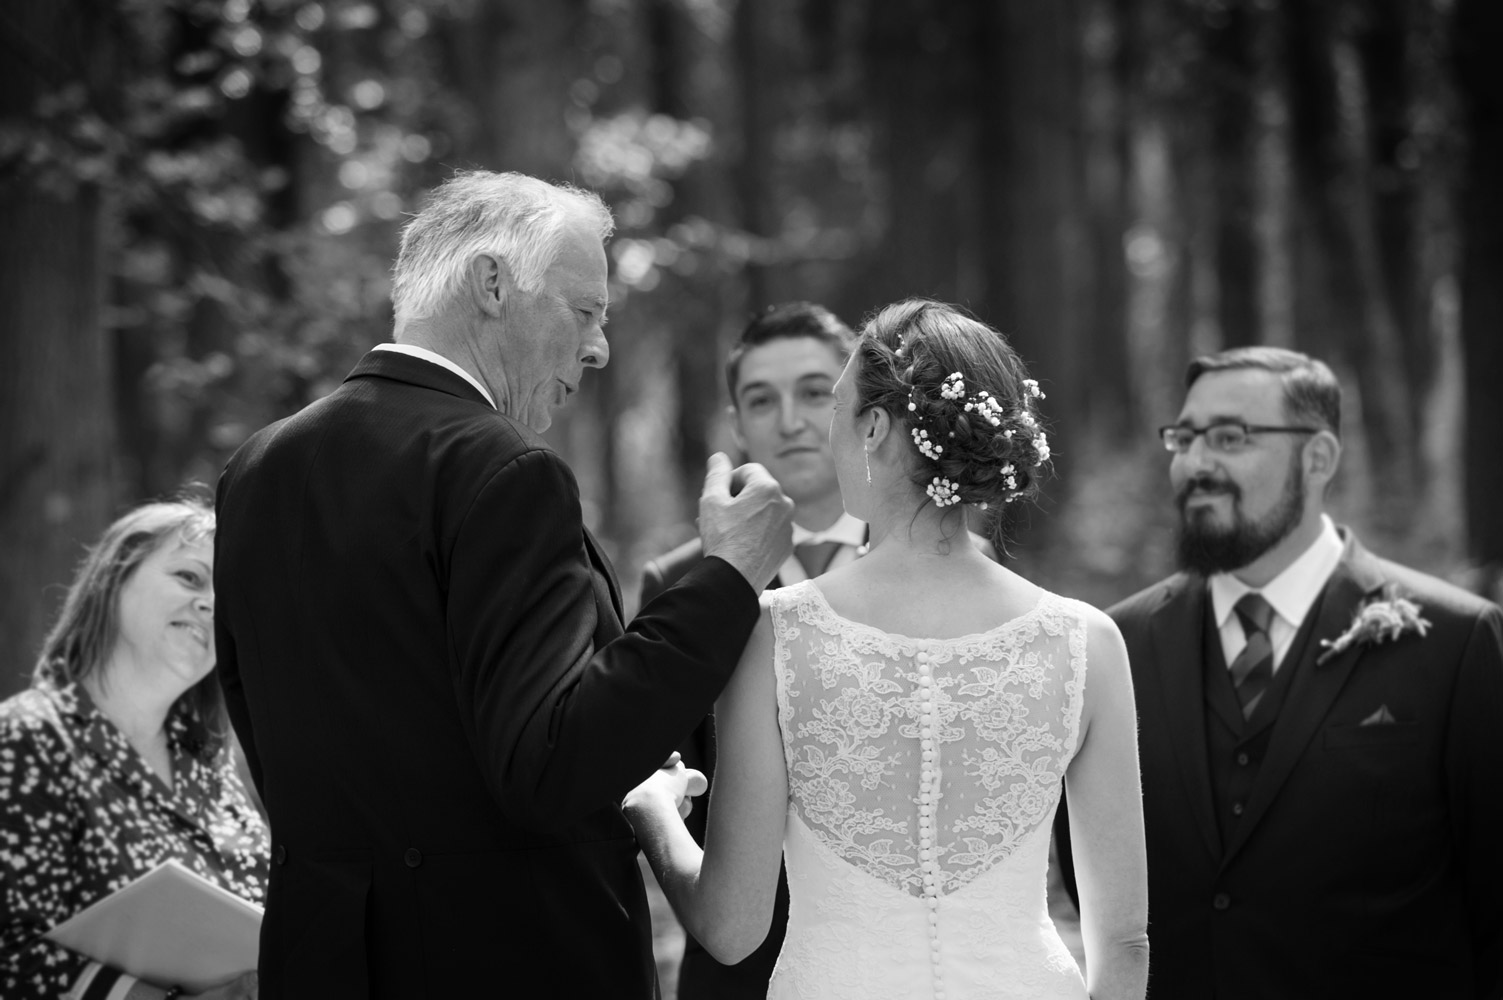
[(1293, 592), (847, 531), (422, 353)]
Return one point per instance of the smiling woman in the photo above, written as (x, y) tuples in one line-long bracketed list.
[(118, 757)]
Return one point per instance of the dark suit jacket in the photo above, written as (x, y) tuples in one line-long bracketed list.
[(1366, 862), (423, 655)]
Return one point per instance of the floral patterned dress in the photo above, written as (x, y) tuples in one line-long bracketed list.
[(82, 814)]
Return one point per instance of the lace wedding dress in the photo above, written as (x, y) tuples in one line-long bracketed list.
[(923, 775)]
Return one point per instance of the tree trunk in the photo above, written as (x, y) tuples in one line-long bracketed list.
[(1034, 238), (918, 58), (1109, 109), (1479, 32), (1232, 121), (1347, 315), (754, 87), (55, 434), (695, 309)]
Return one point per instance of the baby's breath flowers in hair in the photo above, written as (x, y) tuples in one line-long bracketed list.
[(986, 406), (929, 449), (964, 399), (943, 492)]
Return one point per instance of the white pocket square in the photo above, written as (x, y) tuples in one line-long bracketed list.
[(1381, 717)]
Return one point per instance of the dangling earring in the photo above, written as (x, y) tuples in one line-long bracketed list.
[(868, 455)]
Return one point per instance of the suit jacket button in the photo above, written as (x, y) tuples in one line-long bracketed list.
[(413, 857), (1221, 901), (281, 855), (1242, 759)]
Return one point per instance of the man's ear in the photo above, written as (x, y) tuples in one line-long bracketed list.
[(733, 417), (490, 283), (1322, 457)]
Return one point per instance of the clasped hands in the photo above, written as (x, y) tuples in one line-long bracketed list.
[(673, 783)]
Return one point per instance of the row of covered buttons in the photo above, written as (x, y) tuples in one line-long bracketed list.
[(928, 797)]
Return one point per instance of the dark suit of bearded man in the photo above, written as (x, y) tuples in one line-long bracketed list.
[(1320, 730), (422, 647), (1343, 841)]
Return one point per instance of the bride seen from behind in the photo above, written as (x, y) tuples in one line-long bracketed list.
[(903, 727)]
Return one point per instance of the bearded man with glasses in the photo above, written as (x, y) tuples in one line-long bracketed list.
[(1321, 730)]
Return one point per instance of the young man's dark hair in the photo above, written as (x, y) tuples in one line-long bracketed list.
[(790, 319)]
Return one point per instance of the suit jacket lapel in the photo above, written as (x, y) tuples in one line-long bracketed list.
[(1314, 687), (1221, 695), (1182, 686)]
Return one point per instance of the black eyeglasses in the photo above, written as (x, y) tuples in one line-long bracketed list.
[(1221, 437)]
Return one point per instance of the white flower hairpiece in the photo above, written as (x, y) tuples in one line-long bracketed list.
[(943, 492), (1041, 447), (1031, 386), (927, 448), (953, 386), (985, 405)]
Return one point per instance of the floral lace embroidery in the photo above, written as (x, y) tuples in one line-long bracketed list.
[(1004, 710)]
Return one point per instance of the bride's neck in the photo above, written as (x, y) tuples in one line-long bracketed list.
[(929, 531)]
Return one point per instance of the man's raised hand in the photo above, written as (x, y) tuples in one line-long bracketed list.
[(745, 519)]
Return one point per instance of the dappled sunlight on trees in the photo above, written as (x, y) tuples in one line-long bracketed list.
[(203, 199)]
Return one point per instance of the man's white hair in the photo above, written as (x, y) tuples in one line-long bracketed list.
[(517, 217)]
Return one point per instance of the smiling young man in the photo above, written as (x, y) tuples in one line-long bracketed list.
[(781, 377), (1321, 812)]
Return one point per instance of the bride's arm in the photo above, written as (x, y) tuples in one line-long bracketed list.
[(723, 895), (1106, 823)]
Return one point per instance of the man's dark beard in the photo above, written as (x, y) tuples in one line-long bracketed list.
[(1205, 549)]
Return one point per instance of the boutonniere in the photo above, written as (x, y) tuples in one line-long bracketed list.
[(1376, 621)]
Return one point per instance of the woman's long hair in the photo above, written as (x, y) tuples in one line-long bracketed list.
[(87, 628)]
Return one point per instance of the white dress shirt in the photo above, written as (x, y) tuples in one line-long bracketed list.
[(424, 354), (848, 531), (1291, 594)]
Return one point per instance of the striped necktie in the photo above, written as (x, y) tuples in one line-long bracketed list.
[(1252, 670)]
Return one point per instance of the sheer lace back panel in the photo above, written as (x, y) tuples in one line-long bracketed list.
[(926, 762)]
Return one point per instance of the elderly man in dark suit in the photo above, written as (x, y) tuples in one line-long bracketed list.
[(1321, 730), (422, 646)]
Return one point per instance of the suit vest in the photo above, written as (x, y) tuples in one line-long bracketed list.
[(1235, 747)]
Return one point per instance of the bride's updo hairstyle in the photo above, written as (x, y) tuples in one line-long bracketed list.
[(960, 394)]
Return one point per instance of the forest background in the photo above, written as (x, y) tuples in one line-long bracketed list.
[(200, 201)]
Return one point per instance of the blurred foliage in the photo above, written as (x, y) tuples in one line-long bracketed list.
[(1056, 167)]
